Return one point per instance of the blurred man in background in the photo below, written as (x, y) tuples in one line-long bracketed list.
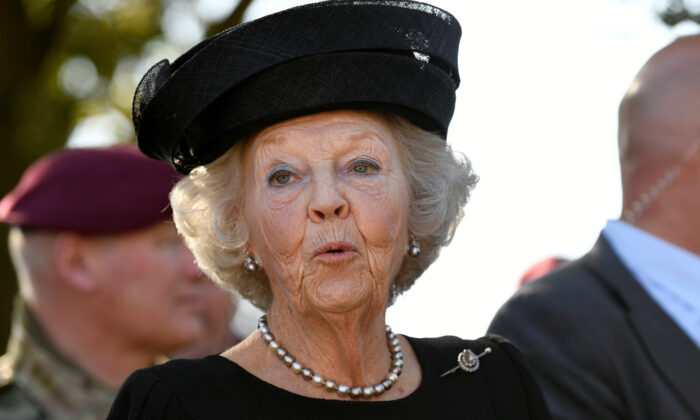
[(106, 284), (616, 334), (220, 306)]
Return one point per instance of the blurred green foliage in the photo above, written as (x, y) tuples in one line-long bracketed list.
[(62, 61), (678, 11)]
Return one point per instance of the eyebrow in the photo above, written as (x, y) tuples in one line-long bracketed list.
[(365, 134)]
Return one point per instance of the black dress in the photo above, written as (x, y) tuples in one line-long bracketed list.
[(215, 388)]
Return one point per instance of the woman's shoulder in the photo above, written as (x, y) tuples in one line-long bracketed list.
[(180, 374), (490, 363), (490, 346), (188, 370), (159, 392)]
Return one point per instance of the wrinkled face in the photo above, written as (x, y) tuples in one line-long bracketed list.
[(326, 206), (151, 290)]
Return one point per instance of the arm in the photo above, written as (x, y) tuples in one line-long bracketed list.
[(536, 407)]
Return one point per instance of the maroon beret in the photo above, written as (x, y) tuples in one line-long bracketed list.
[(92, 191)]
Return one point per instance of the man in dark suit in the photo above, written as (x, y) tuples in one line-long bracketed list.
[(616, 333)]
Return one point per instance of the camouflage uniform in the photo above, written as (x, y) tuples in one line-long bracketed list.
[(36, 382)]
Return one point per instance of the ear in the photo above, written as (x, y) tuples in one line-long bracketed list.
[(72, 252)]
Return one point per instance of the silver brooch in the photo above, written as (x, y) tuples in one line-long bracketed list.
[(468, 361)]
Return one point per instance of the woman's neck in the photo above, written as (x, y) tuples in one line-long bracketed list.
[(348, 348), (351, 349)]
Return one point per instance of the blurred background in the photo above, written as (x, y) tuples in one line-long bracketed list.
[(536, 114)]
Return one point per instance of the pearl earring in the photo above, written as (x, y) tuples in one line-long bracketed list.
[(251, 263), (413, 247)]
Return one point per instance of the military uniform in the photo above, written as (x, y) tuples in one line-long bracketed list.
[(36, 382), (88, 192)]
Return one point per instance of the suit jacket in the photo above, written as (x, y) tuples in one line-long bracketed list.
[(600, 347)]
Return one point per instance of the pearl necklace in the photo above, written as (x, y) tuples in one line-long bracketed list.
[(331, 386)]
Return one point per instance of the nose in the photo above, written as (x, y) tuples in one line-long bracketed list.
[(327, 200)]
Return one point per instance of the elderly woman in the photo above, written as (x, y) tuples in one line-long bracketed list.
[(320, 187)]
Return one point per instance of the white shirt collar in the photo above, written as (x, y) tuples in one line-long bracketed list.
[(669, 273)]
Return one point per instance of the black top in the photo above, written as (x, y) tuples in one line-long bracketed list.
[(217, 388)]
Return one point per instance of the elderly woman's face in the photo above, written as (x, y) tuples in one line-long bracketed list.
[(326, 203)]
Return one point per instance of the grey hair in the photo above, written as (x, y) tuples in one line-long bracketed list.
[(206, 203)]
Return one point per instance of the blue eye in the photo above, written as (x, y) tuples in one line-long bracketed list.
[(281, 177), (364, 167)]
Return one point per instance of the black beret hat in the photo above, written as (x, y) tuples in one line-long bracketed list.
[(396, 56), (91, 191)]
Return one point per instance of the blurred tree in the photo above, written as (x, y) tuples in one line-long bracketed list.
[(67, 64), (678, 11)]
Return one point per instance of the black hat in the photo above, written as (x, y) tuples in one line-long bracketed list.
[(396, 56)]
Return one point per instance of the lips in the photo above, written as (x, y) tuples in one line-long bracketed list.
[(335, 251)]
